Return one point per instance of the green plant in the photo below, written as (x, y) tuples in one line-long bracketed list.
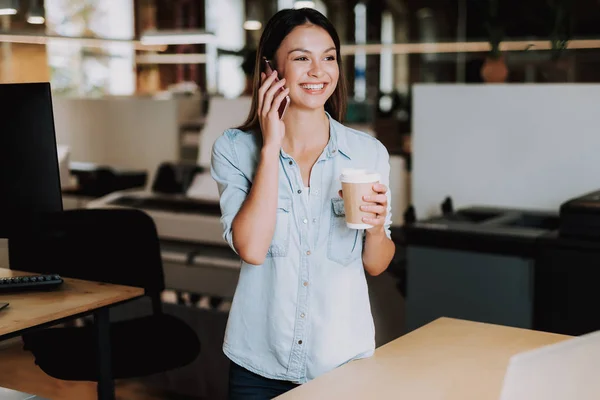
[(562, 26), (494, 29)]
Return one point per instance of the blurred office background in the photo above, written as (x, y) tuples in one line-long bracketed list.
[(487, 102)]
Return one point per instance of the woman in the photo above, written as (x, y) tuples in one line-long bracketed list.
[(301, 307)]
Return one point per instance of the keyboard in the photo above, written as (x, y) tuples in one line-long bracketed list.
[(30, 282)]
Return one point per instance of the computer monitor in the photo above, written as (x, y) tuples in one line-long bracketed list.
[(29, 174)]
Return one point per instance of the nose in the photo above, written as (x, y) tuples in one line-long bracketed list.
[(316, 69)]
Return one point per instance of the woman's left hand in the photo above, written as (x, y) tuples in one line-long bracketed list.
[(377, 204)]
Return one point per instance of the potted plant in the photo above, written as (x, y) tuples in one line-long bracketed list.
[(557, 68), (494, 68)]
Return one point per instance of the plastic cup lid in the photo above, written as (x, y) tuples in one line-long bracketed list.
[(352, 175)]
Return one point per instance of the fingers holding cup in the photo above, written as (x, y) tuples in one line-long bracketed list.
[(357, 185), (376, 204)]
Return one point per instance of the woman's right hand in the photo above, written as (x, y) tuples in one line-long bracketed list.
[(269, 100)]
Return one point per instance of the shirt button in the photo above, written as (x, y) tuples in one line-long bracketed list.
[(291, 162), (305, 283), (308, 252), (299, 191), (305, 221), (299, 341), (302, 315), (314, 220)]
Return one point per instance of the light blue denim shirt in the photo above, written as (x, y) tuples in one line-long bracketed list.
[(306, 310)]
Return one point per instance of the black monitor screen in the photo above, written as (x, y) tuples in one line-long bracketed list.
[(29, 176)]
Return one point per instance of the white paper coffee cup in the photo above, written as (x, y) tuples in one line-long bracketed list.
[(357, 183)]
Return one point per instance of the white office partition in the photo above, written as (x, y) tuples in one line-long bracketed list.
[(222, 114), (509, 145), (564, 370), (123, 132), (399, 188)]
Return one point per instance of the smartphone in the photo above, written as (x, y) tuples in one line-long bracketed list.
[(286, 102)]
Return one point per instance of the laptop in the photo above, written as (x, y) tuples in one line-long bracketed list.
[(568, 370)]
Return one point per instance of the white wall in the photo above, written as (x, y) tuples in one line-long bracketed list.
[(531, 146)]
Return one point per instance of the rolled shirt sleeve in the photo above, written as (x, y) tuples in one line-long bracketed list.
[(233, 185), (383, 168)]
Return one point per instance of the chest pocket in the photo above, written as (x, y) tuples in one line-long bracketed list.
[(281, 238), (344, 244)]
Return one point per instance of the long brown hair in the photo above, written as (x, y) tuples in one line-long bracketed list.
[(278, 27)]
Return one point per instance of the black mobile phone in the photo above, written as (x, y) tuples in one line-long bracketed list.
[(286, 102)]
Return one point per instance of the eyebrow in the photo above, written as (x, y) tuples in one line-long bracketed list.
[(308, 51)]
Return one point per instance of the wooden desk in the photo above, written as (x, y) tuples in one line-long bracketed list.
[(75, 298), (447, 359)]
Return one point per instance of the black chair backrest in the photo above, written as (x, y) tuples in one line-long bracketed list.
[(117, 246), (174, 178)]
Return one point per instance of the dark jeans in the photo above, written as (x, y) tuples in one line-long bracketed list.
[(246, 385)]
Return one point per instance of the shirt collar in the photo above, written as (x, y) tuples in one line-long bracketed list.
[(337, 138)]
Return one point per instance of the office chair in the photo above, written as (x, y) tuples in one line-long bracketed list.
[(118, 246)]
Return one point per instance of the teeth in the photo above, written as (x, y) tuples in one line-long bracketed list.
[(313, 87)]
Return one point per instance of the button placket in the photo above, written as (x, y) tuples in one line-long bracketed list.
[(307, 234), (298, 360)]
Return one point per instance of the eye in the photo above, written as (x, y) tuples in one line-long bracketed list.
[(330, 58), (301, 59)]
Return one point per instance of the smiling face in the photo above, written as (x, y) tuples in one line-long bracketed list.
[(307, 60)]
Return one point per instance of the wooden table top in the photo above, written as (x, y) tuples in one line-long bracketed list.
[(447, 359), (73, 297)]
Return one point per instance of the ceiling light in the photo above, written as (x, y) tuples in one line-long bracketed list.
[(28, 38), (252, 25), (35, 14), (9, 7), (304, 4), (174, 37), (253, 16), (32, 19)]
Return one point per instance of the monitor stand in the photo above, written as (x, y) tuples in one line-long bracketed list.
[(22, 256), (25, 245)]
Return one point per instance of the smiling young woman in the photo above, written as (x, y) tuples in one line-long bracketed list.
[(301, 307)]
